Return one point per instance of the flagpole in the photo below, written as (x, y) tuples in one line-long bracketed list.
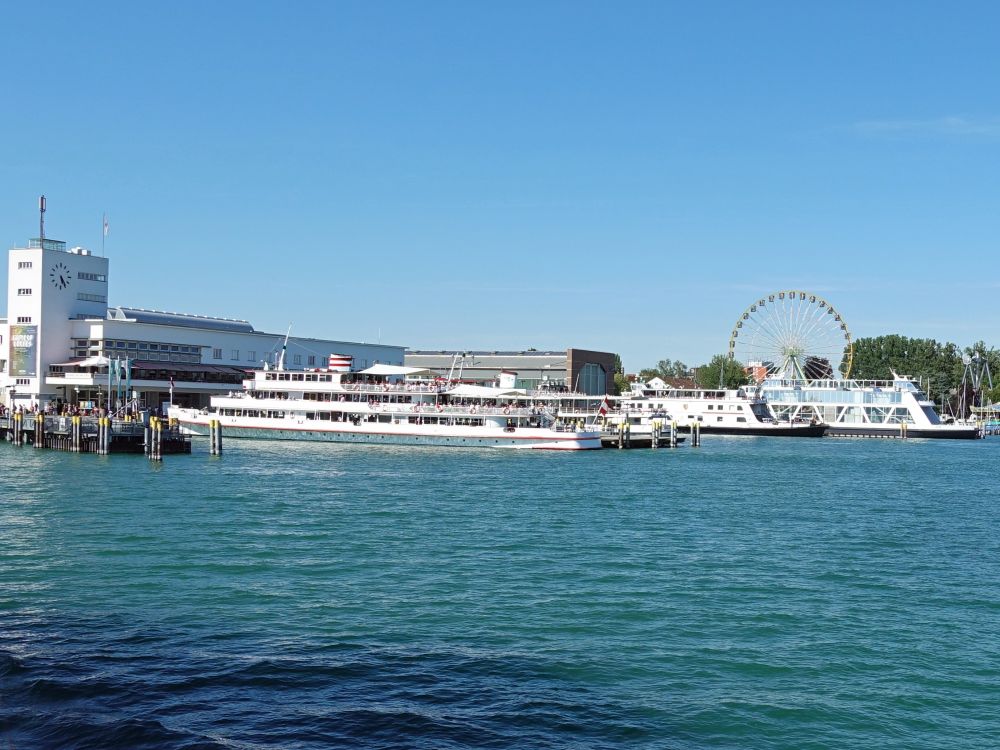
[(104, 231)]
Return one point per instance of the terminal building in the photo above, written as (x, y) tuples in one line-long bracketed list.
[(62, 344), (579, 370)]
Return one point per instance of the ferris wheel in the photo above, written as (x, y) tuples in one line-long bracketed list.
[(792, 334)]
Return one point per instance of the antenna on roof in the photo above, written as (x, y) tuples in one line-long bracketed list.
[(41, 219)]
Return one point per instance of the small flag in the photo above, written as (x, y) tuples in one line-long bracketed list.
[(604, 407), (107, 225), (171, 382)]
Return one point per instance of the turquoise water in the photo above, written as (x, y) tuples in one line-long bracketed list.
[(753, 593)]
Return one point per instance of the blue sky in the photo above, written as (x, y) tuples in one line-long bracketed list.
[(624, 177)]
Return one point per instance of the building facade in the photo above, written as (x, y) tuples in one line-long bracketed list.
[(62, 344), (580, 370)]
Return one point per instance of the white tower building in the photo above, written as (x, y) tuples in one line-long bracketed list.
[(48, 287)]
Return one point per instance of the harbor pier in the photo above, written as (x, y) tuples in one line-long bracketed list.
[(101, 435)]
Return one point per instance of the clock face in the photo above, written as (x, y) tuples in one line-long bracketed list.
[(59, 276)]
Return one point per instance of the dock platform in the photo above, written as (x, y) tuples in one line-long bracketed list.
[(95, 434)]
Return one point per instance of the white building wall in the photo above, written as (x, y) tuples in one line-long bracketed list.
[(46, 288)]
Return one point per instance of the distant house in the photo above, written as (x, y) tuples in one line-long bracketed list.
[(664, 384)]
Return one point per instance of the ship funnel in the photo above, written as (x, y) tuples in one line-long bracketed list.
[(507, 379), (340, 362)]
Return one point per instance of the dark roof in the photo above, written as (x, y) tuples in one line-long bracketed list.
[(484, 353), (187, 367)]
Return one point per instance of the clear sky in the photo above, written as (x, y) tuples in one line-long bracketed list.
[(616, 176)]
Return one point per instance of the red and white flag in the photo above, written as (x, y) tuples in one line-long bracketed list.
[(605, 407)]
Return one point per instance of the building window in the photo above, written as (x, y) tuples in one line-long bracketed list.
[(91, 276), (251, 356), (23, 292), (235, 355), (592, 379), (24, 319), (84, 297), (297, 359), (312, 360), (24, 264), (217, 354)]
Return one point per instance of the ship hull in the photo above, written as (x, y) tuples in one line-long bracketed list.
[(802, 431), (405, 434), (894, 431)]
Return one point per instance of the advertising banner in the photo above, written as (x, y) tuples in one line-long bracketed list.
[(23, 350)]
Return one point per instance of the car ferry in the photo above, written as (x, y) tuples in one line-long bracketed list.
[(863, 408), (384, 404)]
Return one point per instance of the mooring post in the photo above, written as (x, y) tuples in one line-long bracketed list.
[(157, 454)]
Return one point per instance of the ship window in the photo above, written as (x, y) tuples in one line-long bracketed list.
[(741, 419), (718, 419)]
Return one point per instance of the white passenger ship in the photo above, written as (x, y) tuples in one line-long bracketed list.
[(384, 404), (716, 411), (862, 408)]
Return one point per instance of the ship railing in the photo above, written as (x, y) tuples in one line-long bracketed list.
[(393, 388), (472, 410)]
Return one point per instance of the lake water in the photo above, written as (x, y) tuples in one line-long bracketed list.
[(753, 593)]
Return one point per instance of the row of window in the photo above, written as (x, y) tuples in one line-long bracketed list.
[(92, 276), (146, 355), (24, 264), (84, 297), (24, 319), (23, 292), (140, 345), (234, 355)]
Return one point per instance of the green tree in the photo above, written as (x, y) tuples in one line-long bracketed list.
[(665, 368), (721, 369), (622, 384), (937, 365)]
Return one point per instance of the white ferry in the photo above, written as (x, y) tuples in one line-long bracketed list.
[(862, 408), (384, 404), (718, 412)]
